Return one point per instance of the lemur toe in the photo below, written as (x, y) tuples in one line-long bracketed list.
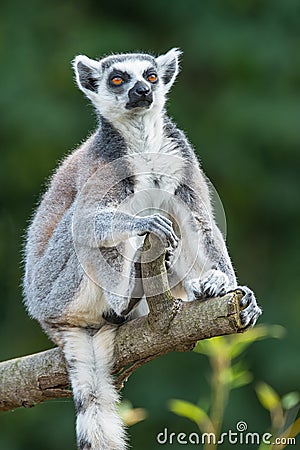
[(215, 284), (250, 309)]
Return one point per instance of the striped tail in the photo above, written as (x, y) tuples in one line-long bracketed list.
[(89, 358)]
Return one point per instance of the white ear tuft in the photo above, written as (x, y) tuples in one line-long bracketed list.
[(88, 73), (168, 66)]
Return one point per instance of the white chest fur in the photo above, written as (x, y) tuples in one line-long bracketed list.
[(156, 177), (156, 163)]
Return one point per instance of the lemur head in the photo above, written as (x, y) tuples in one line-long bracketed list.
[(127, 84)]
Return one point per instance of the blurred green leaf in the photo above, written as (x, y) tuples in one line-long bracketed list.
[(290, 400), (268, 398), (239, 376), (190, 411), (131, 415), (213, 346), (240, 342), (236, 344)]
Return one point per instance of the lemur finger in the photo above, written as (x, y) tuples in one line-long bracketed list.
[(164, 220), (156, 228), (156, 223), (168, 234), (159, 224)]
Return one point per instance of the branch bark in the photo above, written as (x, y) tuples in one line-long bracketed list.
[(172, 325)]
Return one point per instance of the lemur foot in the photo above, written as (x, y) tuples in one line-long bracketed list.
[(214, 284), (250, 310)]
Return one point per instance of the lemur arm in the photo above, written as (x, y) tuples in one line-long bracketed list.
[(109, 227)]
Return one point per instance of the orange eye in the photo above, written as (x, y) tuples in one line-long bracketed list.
[(152, 77), (117, 81)]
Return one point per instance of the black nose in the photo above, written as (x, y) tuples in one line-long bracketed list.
[(140, 89), (139, 96)]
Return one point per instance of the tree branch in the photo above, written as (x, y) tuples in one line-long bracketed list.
[(172, 325)]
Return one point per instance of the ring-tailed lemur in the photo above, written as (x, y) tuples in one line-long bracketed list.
[(136, 174)]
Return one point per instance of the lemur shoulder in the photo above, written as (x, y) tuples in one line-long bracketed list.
[(136, 174)]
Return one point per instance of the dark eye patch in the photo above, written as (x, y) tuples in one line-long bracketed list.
[(150, 71), (118, 73)]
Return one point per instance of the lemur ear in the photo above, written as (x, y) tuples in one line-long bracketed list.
[(88, 73), (168, 66)]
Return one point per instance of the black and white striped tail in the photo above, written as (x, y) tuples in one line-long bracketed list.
[(89, 358)]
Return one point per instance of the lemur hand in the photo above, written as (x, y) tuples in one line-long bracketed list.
[(158, 225)]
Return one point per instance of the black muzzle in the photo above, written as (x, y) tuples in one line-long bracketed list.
[(140, 96)]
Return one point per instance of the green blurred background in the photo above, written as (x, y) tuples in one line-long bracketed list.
[(238, 99)]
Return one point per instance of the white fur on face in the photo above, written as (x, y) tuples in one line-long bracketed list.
[(113, 106)]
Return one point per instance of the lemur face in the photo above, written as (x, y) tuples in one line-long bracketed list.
[(132, 83), (127, 84)]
